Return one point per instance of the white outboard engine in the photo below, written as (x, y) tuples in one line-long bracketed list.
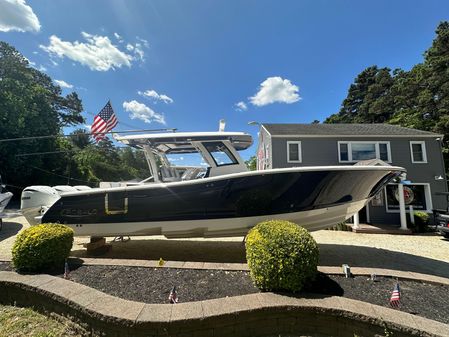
[(36, 200), (61, 189), (82, 187)]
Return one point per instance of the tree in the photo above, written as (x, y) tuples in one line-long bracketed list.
[(418, 98), (31, 105), (368, 99), (251, 163)]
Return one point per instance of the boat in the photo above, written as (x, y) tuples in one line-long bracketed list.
[(5, 196), (217, 196)]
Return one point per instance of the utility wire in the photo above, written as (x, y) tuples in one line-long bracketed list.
[(36, 153), (59, 175)]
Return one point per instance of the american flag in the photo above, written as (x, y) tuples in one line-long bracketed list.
[(173, 297), (66, 270), (104, 122), (395, 296)]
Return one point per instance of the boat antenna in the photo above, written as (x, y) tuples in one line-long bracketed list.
[(222, 125)]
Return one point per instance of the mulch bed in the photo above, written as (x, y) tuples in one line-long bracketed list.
[(153, 285)]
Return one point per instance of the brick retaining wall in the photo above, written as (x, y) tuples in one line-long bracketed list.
[(249, 315)]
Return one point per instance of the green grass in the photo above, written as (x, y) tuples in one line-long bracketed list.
[(18, 322)]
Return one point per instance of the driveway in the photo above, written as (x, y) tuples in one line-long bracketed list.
[(428, 254)]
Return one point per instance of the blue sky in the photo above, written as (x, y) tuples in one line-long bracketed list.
[(287, 61)]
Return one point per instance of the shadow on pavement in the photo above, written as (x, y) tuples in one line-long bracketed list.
[(234, 252), (9, 229), (174, 250), (359, 256)]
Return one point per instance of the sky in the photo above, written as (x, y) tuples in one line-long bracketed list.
[(187, 64)]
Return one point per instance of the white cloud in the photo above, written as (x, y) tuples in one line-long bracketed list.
[(241, 106), (145, 42), (141, 111), (63, 84), (118, 37), (17, 15), (98, 52), (154, 95), (276, 90)]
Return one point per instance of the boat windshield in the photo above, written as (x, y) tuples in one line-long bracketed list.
[(220, 153), (182, 166)]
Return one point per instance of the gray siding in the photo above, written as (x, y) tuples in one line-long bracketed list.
[(324, 151)]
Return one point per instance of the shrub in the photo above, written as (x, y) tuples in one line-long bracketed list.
[(41, 247), (281, 256), (421, 222)]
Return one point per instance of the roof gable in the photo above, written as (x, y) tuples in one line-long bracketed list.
[(344, 130)]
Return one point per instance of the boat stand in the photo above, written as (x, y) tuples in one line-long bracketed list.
[(97, 245)]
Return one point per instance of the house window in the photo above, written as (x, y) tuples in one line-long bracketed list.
[(356, 151), (416, 195), (418, 152), (294, 154)]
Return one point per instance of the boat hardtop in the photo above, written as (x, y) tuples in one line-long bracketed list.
[(181, 142)]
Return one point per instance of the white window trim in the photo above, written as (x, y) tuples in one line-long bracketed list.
[(299, 152), (376, 145), (428, 196), (424, 152)]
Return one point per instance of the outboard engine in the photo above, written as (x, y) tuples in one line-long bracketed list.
[(61, 189), (82, 187), (36, 200)]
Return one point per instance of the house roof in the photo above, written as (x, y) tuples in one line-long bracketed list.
[(353, 130)]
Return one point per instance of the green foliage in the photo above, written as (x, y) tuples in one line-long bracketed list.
[(21, 322), (281, 256), (31, 105), (421, 222), (418, 98), (251, 163), (43, 246)]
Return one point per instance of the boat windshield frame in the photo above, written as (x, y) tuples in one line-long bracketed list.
[(162, 170)]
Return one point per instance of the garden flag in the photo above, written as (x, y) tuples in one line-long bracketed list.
[(395, 296), (104, 122), (173, 297), (66, 270)]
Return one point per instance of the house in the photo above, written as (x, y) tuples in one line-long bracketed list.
[(289, 145)]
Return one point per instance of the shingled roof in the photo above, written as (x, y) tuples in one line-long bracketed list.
[(344, 130)]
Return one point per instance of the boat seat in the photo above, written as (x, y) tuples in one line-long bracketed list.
[(169, 174), (191, 173)]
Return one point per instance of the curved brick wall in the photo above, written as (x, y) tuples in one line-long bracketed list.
[(249, 315)]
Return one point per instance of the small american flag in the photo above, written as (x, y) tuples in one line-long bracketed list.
[(66, 270), (104, 122), (395, 296), (173, 297)]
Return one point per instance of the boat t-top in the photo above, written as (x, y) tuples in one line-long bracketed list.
[(215, 196)]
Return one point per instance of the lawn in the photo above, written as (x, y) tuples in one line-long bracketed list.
[(18, 322)]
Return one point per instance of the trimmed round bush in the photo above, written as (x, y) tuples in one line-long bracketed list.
[(281, 256), (41, 247)]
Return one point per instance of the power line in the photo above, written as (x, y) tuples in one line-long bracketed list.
[(36, 153), (59, 175)]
